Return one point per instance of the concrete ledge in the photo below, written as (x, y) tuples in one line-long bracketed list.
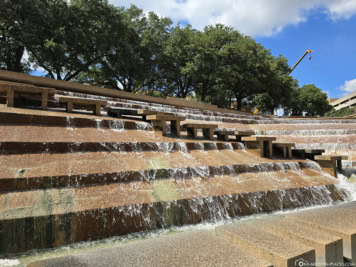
[(307, 153), (208, 129), (330, 163), (262, 143), (224, 134), (70, 101), (258, 138), (70, 219), (159, 123), (328, 247), (86, 89), (266, 245), (329, 157), (336, 220), (79, 180), (20, 148), (197, 248), (51, 119), (286, 148)]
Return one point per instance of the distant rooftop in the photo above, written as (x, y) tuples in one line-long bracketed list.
[(344, 102)]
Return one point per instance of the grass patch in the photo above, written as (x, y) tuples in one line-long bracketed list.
[(341, 113)]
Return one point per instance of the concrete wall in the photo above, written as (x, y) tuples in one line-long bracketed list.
[(345, 102), (86, 89)]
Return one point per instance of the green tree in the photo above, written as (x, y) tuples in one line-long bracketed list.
[(132, 64), (176, 76), (294, 107), (12, 49), (77, 36), (278, 85), (308, 100), (64, 37), (207, 59), (313, 101), (244, 67)]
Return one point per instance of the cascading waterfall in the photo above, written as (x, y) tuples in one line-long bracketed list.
[(225, 207), (69, 124), (117, 125), (143, 126), (345, 149), (347, 186), (98, 125), (189, 113), (218, 208), (305, 122), (329, 147), (228, 146), (311, 132)]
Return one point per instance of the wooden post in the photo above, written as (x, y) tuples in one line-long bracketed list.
[(289, 152), (262, 149), (10, 97), (223, 137), (97, 110), (270, 148), (328, 166), (339, 165), (159, 125), (70, 107), (208, 133), (193, 132), (284, 152), (238, 138), (44, 102), (175, 127)]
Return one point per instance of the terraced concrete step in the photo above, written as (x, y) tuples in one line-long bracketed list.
[(199, 249), (307, 121), (163, 108), (273, 240), (25, 117), (328, 247), (300, 130), (117, 133), (266, 245), (314, 141), (69, 174), (54, 217), (310, 132), (19, 148), (192, 114), (336, 220)]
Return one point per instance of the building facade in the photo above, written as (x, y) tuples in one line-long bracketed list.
[(345, 102)]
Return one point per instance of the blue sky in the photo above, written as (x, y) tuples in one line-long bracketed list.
[(334, 58), (287, 27)]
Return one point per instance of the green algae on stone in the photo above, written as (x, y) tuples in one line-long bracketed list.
[(352, 178), (158, 163), (163, 191)]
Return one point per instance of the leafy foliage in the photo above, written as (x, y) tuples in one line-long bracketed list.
[(93, 42), (341, 112), (308, 100)]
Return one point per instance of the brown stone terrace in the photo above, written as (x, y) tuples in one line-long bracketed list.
[(57, 186)]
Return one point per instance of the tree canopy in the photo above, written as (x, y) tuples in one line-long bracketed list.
[(91, 41), (308, 100)]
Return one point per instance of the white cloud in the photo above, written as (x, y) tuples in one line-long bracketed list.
[(349, 86), (342, 9), (252, 17)]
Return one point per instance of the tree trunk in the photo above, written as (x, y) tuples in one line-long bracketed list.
[(239, 103), (18, 57)]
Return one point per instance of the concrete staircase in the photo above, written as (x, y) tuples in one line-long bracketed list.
[(67, 178), (70, 179), (315, 237)]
